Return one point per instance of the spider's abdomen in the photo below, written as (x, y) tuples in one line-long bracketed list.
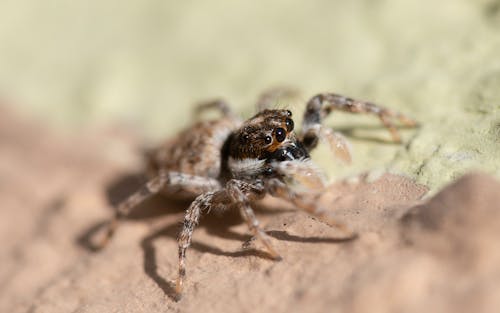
[(196, 150)]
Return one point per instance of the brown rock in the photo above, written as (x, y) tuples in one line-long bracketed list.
[(460, 229), (462, 222), (441, 256)]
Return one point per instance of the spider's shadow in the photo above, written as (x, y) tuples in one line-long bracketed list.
[(353, 132), (117, 191), (215, 224), (219, 228)]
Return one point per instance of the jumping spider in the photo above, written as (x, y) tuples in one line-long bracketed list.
[(228, 163)]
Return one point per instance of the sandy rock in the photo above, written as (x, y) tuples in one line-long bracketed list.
[(445, 259), (459, 229)]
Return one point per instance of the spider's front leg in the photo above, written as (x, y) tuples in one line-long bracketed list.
[(319, 106), (201, 204), (236, 193), (241, 192)]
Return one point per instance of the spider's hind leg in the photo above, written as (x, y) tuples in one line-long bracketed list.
[(218, 104), (191, 183), (270, 97), (319, 106), (125, 207)]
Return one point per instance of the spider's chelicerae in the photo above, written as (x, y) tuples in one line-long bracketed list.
[(228, 163)]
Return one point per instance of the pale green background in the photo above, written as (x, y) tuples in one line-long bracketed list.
[(81, 64)]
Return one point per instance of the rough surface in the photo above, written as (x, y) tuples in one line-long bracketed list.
[(409, 255)]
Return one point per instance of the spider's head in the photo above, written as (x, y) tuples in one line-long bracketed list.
[(266, 146), (268, 136)]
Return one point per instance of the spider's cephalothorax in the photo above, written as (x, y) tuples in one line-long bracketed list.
[(227, 164), (261, 142)]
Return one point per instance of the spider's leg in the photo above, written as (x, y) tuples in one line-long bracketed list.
[(241, 192), (195, 184), (219, 104), (306, 202), (337, 142), (202, 203), (319, 106), (270, 97)]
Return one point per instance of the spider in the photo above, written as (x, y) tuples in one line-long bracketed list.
[(228, 163)]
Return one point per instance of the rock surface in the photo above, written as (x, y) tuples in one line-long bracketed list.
[(410, 256)]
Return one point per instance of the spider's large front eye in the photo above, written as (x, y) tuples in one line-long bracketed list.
[(289, 124), (280, 134)]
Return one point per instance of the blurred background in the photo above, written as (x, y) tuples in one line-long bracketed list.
[(143, 64)]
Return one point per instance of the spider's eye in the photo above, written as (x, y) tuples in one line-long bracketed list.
[(268, 171), (244, 138), (268, 140), (280, 134), (289, 113), (289, 124)]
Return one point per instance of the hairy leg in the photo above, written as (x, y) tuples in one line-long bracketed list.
[(219, 104), (191, 183), (269, 97), (237, 193), (201, 204), (319, 106), (241, 192), (306, 202), (337, 142)]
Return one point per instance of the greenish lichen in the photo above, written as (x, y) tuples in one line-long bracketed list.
[(146, 62)]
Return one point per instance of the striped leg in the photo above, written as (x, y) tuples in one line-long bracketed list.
[(202, 203), (195, 184), (219, 104), (240, 192), (270, 97), (323, 104)]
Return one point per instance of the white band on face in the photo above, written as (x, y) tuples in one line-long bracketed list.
[(245, 167)]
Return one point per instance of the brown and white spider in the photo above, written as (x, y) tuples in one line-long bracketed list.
[(228, 163)]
